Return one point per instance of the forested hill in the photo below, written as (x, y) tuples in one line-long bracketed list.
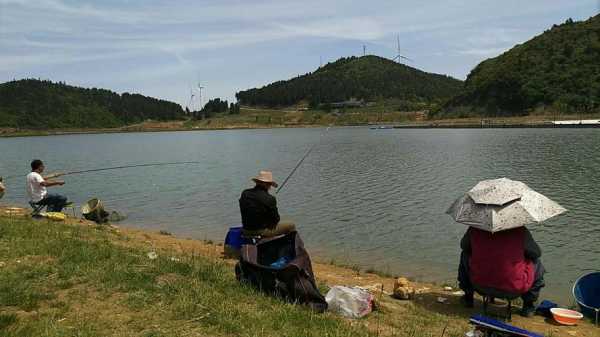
[(367, 77), (33, 103), (557, 71)]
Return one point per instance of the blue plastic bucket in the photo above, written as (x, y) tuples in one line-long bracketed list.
[(233, 241), (587, 294)]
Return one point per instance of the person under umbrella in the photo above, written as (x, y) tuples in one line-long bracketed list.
[(498, 252)]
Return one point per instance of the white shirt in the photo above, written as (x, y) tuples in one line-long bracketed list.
[(35, 190)]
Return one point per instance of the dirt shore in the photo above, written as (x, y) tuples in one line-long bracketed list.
[(423, 311)]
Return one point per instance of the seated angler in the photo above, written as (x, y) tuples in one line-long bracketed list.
[(507, 261), (260, 216), (37, 188)]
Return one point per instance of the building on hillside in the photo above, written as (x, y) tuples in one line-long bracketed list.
[(351, 103)]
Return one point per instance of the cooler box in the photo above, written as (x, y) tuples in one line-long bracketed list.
[(233, 242)]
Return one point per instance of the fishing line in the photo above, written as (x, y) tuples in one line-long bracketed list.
[(121, 167), (300, 162), (131, 166)]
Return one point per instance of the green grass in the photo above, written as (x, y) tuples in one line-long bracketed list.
[(61, 280)]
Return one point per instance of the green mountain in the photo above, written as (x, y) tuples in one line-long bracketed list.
[(368, 78), (557, 71), (31, 103)]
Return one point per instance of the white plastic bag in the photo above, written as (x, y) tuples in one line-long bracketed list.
[(349, 302)]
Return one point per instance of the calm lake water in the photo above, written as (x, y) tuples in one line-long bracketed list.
[(375, 198)]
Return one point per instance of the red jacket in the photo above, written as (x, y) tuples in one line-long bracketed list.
[(499, 260)]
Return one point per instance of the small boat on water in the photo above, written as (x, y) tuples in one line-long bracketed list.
[(381, 127)]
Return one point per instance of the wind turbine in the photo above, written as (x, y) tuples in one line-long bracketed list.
[(200, 95), (190, 105), (399, 56)]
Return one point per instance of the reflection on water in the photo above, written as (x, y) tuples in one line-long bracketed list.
[(371, 197)]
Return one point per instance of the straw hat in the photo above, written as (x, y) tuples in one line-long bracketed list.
[(265, 177)]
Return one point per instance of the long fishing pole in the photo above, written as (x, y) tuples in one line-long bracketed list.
[(130, 166), (299, 163), (295, 168), (117, 168)]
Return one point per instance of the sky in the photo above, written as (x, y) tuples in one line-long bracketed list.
[(164, 48)]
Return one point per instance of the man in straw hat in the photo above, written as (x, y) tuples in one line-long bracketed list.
[(259, 209)]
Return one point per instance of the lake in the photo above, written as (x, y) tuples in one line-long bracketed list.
[(374, 198)]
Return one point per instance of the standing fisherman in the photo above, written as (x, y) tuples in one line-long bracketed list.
[(37, 188), (260, 216)]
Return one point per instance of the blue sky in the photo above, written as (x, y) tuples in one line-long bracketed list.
[(163, 48)]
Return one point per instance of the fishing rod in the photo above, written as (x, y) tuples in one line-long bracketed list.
[(116, 168), (295, 168), (129, 166), (299, 163)]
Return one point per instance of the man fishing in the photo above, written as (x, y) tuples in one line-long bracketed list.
[(260, 216), (37, 188)]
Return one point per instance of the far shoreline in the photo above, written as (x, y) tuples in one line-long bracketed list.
[(177, 126)]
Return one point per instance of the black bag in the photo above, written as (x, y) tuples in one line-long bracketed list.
[(294, 281)]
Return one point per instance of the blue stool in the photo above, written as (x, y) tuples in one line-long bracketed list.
[(234, 241)]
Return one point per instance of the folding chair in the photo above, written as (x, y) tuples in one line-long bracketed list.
[(36, 208), (489, 294)]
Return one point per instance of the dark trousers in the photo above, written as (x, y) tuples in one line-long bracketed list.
[(54, 202), (531, 296)]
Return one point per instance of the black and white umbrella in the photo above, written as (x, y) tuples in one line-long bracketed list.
[(501, 204)]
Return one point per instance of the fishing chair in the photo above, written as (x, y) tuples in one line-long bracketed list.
[(489, 294), (70, 206), (36, 208)]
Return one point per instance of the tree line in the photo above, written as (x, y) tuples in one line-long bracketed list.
[(557, 71), (214, 107), (32, 103), (368, 78)]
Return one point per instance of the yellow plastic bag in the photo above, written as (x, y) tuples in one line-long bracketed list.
[(56, 216)]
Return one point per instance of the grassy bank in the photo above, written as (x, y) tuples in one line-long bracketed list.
[(60, 280), (79, 279)]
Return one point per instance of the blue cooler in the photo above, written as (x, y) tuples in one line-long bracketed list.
[(233, 242)]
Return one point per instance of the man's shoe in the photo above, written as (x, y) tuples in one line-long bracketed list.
[(528, 310), (467, 301)]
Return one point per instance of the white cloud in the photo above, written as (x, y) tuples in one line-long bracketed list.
[(169, 38)]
